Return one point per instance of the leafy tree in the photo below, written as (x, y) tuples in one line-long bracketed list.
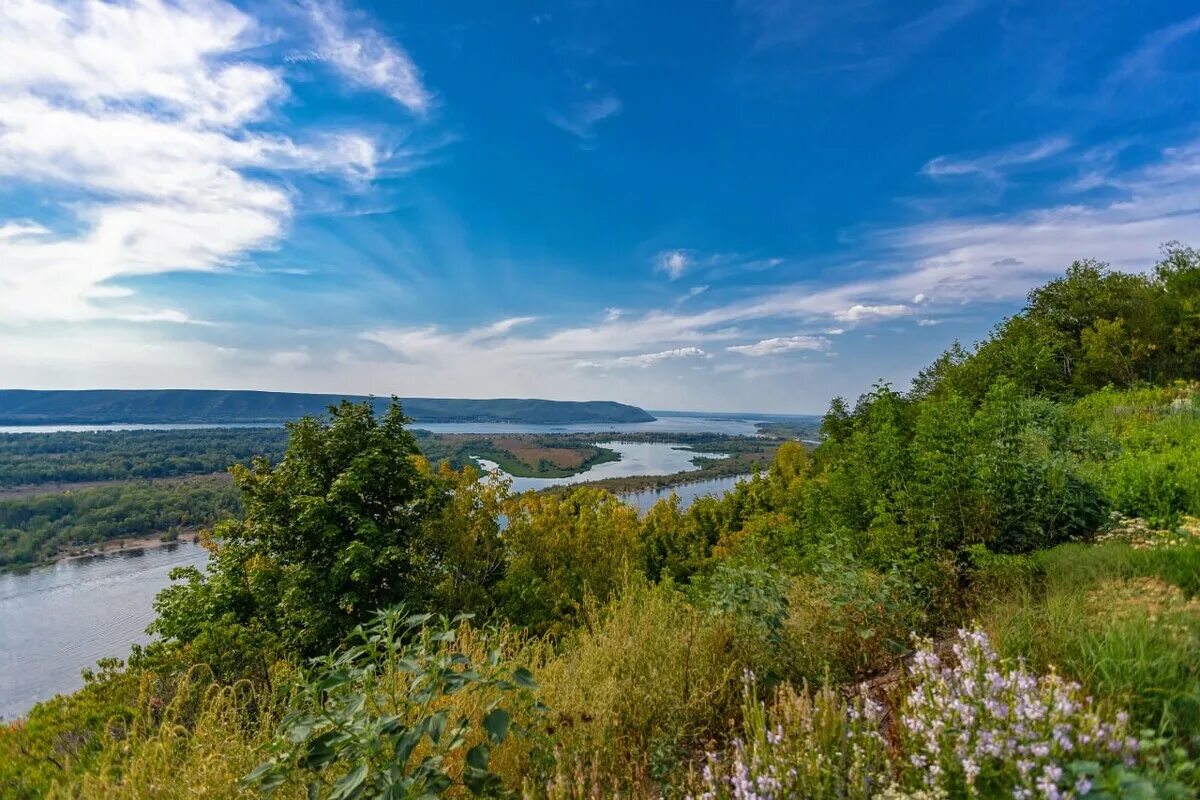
[(561, 550), (327, 536)]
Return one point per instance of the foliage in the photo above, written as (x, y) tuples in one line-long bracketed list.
[(34, 529), (639, 685), (399, 713), (561, 550), (1089, 329), (327, 536), (33, 458)]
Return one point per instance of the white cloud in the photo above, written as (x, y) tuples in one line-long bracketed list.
[(582, 118), (145, 107), (784, 344), (366, 57), (928, 323), (17, 230), (993, 165), (169, 315), (1145, 62), (649, 359), (673, 262), (860, 312)]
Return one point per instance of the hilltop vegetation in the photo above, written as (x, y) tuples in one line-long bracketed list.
[(1026, 511), (169, 406)]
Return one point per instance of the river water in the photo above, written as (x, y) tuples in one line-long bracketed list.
[(666, 422), (57, 620)]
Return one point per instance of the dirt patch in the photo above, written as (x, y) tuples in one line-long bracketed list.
[(1149, 599), (128, 543), (532, 453)]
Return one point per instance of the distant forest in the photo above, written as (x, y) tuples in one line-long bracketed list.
[(167, 406)]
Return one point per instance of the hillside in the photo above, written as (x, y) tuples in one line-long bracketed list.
[(166, 406)]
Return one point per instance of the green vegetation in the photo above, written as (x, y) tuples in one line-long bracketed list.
[(38, 458), (1026, 510), (38, 528), (521, 455), (222, 407)]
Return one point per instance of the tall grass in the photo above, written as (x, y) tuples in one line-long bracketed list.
[(635, 689), (1122, 620)]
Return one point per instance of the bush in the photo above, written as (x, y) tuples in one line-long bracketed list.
[(850, 622), (643, 681), (402, 712)]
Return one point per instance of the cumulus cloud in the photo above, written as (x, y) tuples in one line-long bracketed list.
[(782, 344), (859, 312), (649, 359)]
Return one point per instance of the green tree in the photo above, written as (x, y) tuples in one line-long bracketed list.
[(327, 537), (562, 550)]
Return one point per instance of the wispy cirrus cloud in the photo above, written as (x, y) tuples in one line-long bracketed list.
[(147, 119), (366, 57), (1144, 63), (581, 119), (867, 40), (994, 165)]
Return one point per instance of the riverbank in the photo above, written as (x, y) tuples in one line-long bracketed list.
[(148, 541)]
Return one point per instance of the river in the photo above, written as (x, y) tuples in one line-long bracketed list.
[(665, 422), (57, 620)]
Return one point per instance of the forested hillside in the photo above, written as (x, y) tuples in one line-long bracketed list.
[(983, 586), (172, 406)]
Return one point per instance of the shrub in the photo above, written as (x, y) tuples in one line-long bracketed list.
[(646, 678), (848, 622), (560, 550), (401, 713)]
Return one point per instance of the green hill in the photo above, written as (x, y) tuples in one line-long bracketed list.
[(165, 406)]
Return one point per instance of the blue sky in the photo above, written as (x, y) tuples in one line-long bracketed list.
[(719, 205)]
